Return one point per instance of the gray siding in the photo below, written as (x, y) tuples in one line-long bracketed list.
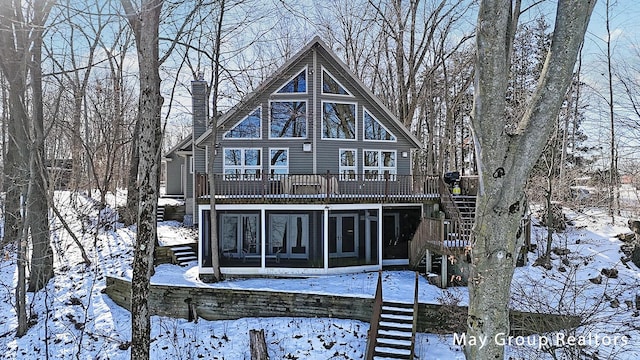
[(173, 183)]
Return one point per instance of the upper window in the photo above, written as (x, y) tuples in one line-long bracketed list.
[(242, 163), (248, 128), (338, 121), (296, 85), (374, 130), (348, 164), (332, 86), (288, 119), (379, 164), (278, 161)]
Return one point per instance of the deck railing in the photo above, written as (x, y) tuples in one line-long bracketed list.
[(328, 187)]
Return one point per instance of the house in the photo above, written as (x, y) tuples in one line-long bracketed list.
[(312, 175)]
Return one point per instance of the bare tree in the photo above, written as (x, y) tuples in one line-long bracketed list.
[(507, 154), (26, 208)]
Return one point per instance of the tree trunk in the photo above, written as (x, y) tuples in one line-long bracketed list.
[(506, 157), (145, 26), (42, 253), (257, 345)]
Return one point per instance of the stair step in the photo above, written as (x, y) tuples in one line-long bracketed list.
[(180, 248), (394, 343), (397, 309), (184, 252), (395, 334), (397, 317), (392, 352), (183, 258), (388, 325)]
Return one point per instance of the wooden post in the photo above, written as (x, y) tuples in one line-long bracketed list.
[(444, 271), (258, 345)]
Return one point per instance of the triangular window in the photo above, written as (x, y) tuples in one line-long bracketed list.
[(296, 85), (374, 130), (331, 86), (248, 128)]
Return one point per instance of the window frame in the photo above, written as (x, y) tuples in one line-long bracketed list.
[(380, 168), (324, 70), (364, 128), (226, 133), (272, 167), (242, 167), (305, 69), (344, 168), (306, 118), (355, 120)]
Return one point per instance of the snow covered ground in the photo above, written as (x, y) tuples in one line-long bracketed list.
[(73, 319)]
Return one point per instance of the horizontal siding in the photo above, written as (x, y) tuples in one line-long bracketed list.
[(173, 179)]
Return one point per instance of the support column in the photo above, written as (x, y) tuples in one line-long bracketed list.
[(443, 273)]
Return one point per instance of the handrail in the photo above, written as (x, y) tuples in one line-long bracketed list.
[(375, 320), (462, 227), (415, 317), (324, 187)]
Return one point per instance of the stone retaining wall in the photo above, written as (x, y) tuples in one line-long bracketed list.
[(225, 304)]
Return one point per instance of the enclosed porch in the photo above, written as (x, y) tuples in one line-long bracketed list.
[(293, 239)]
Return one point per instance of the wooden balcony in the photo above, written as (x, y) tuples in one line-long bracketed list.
[(327, 188)]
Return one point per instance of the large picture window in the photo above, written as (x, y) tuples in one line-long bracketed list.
[(374, 130), (348, 164), (288, 119), (338, 121), (379, 164), (242, 163), (248, 128)]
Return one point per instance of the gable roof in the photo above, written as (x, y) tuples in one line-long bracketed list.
[(276, 76)]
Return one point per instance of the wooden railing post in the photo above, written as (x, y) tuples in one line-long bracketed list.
[(415, 317), (375, 320), (328, 188)]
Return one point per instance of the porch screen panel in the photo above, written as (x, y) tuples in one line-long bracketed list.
[(205, 236)]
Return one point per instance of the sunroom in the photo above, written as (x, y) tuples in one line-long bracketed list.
[(294, 240)]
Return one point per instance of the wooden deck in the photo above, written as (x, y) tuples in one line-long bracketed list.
[(318, 188)]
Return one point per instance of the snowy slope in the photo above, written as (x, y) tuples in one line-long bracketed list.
[(73, 319)]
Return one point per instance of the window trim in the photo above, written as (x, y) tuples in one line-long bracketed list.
[(380, 168), (306, 118), (324, 69), (341, 167), (305, 69), (242, 167), (355, 120), (364, 138), (259, 107)]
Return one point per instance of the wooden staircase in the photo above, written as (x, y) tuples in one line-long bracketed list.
[(160, 213), (184, 254), (393, 327), (446, 236)]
